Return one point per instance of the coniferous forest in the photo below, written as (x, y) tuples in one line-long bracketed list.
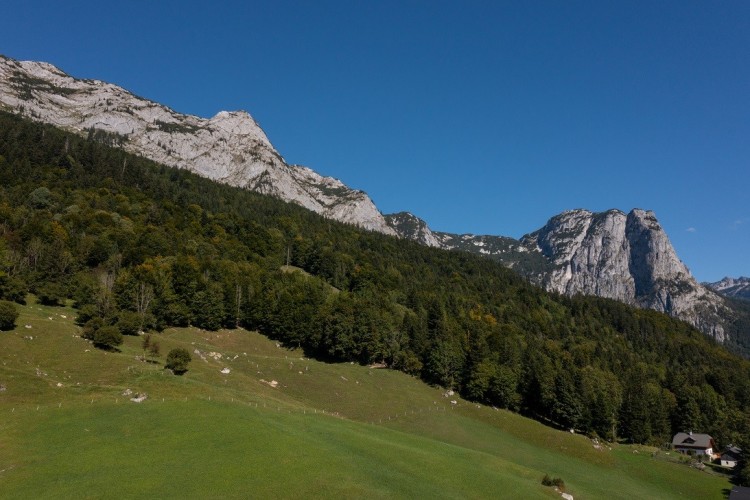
[(140, 247)]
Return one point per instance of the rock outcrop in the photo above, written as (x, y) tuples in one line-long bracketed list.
[(627, 258), (411, 227), (230, 147)]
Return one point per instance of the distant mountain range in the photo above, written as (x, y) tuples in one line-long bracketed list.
[(627, 257), (732, 287)]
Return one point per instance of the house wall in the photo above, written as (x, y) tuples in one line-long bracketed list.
[(695, 451)]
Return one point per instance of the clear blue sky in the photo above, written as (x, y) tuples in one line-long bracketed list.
[(479, 116)]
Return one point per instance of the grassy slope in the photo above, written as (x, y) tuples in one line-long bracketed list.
[(327, 430)]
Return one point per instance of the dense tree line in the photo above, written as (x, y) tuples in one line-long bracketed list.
[(138, 247)]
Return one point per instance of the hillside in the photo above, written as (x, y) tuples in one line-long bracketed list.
[(325, 430), (230, 147), (609, 255), (137, 245)]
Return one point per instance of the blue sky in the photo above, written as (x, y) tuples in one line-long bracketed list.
[(479, 116)]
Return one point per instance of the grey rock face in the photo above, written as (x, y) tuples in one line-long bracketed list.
[(411, 227), (624, 257), (229, 148)]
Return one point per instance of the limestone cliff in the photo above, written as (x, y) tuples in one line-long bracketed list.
[(624, 257), (229, 148)]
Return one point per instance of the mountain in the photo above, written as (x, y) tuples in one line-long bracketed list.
[(626, 257), (155, 246), (411, 227), (230, 147), (610, 254), (732, 287)]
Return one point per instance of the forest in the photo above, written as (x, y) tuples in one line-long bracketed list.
[(141, 247)]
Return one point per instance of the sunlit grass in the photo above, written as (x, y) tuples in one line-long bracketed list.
[(324, 430)]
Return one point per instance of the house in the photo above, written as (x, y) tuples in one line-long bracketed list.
[(694, 444), (731, 456)]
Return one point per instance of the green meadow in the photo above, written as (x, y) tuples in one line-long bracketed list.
[(251, 419)]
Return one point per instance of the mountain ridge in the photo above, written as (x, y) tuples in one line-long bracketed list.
[(732, 287), (230, 147), (609, 254)]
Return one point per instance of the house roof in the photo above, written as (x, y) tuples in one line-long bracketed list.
[(732, 452), (695, 440)]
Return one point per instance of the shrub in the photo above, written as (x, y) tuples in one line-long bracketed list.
[(8, 315), (12, 289), (86, 313), (107, 337), (557, 482), (91, 327), (51, 294), (177, 360), (129, 323)]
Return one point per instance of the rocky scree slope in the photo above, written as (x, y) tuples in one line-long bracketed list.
[(230, 147)]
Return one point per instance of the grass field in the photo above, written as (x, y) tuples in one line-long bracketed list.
[(324, 430)]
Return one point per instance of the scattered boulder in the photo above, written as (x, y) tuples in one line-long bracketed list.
[(127, 392), (225, 371), (139, 398), (3, 388), (567, 496)]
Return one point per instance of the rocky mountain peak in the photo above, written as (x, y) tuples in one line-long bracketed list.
[(230, 147), (624, 257), (411, 227), (732, 287)]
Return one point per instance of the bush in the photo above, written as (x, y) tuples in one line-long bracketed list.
[(51, 294), (8, 315), (12, 289), (177, 360), (91, 327), (107, 337), (86, 313), (129, 323), (557, 482)]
